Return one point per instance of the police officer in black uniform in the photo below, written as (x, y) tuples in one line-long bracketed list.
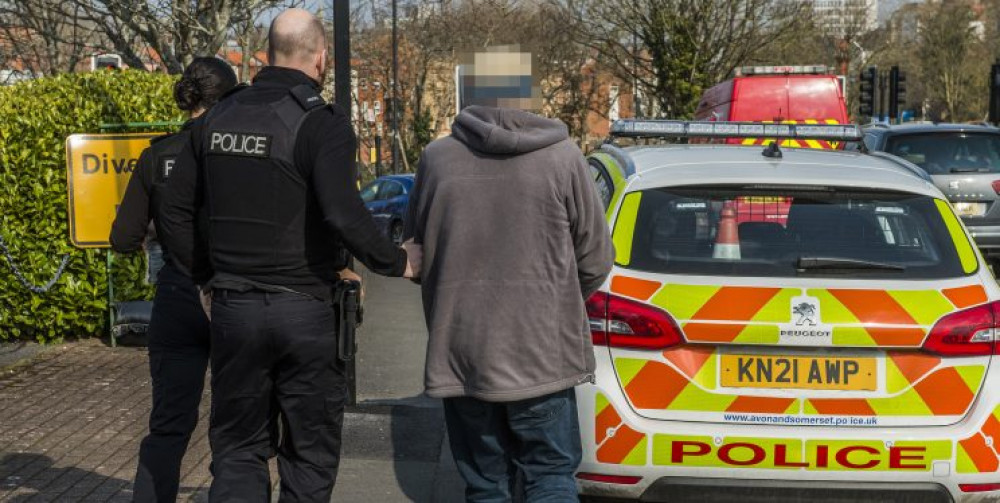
[(179, 329), (273, 165)]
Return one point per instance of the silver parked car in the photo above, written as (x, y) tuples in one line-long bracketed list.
[(964, 162)]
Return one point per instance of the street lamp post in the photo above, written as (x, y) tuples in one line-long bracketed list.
[(395, 84), (342, 96), (342, 54), (636, 103)]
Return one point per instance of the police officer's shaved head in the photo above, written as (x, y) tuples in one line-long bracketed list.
[(296, 39)]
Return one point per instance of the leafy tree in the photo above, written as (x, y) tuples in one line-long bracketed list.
[(953, 61), (178, 31), (675, 49), (423, 134)]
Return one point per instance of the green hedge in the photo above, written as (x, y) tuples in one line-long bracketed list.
[(35, 119)]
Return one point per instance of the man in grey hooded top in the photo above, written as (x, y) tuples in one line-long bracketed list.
[(514, 241)]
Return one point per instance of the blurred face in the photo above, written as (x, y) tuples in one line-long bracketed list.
[(502, 77)]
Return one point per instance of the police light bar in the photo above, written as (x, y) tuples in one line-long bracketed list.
[(783, 70), (649, 128)]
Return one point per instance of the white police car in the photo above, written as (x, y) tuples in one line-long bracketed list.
[(786, 324)]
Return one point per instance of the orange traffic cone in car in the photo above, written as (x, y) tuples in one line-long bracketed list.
[(727, 240)]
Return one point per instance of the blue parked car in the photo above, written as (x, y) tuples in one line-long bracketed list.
[(387, 197)]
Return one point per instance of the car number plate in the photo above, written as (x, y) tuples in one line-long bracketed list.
[(801, 372), (970, 209)]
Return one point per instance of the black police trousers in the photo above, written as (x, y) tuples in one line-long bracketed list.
[(178, 357), (274, 353)]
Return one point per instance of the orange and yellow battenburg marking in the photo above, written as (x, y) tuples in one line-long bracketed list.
[(905, 368), (687, 379), (920, 397), (966, 296), (690, 383), (634, 287), (690, 360), (980, 453), (750, 315), (617, 443)]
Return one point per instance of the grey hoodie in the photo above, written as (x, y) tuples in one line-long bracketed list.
[(514, 240)]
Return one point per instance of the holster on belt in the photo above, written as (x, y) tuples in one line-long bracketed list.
[(350, 314)]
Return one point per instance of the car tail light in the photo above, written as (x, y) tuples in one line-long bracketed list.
[(623, 323), (609, 479), (996, 186), (978, 488), (597, 312), (971, 332)]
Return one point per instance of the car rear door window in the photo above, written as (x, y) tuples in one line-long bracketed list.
[(371, 192), (748, 231), (391, 190)]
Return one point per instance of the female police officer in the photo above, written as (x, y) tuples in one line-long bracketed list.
[(179, 329)]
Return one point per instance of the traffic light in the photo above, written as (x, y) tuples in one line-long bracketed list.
[(897, 92), (867, 94)]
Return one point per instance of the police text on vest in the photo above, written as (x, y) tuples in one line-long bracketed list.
[(245, 144)]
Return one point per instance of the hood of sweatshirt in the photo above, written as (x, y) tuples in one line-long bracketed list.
[(505, 131)]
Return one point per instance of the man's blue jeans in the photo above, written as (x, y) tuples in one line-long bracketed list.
[(492, 441)]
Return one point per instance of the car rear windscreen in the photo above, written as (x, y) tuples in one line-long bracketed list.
[(948, 153), (750, 231)]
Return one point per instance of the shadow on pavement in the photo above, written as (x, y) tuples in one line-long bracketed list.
[(17, 352), (392, 453), (32, 476), (417, 437)]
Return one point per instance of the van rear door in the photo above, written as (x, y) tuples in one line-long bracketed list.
[(792, 97)]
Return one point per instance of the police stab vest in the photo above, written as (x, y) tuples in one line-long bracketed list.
[(259, 205)]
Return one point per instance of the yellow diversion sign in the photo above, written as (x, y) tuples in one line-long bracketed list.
[(98, 167)]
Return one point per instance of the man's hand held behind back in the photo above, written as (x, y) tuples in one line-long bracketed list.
[(414, 259)]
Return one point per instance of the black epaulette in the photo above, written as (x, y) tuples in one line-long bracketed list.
[(307, 97)]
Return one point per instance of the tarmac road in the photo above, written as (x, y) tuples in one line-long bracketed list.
[(395, 448)]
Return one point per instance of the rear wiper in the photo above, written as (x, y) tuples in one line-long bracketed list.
[(970, 170), (819, 263)]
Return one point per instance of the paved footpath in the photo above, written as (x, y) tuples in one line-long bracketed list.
[(72, 416), (70, 425)]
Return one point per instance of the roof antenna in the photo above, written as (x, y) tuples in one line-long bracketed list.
[(772, 150)]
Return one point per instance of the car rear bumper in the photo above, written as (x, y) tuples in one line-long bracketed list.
[(711, 490), (674, 460), (987, 237)]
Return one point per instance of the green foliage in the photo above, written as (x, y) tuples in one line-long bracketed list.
[(35, 119), (423, 134)]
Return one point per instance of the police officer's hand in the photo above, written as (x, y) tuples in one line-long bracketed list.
[(349, 275), (414, 259)]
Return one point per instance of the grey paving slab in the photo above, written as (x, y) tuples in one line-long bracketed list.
[(71, 419)]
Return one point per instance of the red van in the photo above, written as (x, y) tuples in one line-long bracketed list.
[(789, 94)]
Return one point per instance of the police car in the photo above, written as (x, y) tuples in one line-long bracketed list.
[(786, 324)]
